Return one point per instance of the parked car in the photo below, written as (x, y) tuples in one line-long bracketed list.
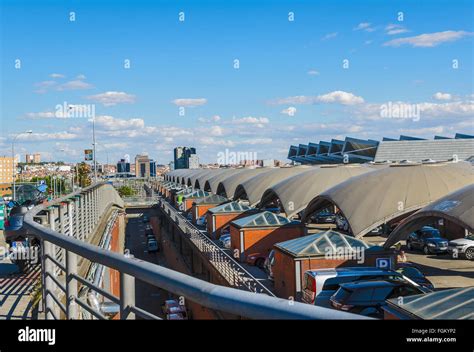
[(324, 217), (413, 273), (428, 239), (202, 221), (462, 247), (173, 310), (341, 222), (319, 285), (256, 259), (152, 245), (225, 240), (14, 229), (269, 263), (367, 297)]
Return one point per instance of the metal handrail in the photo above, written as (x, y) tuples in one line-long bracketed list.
[(225, 299), (247, 280)]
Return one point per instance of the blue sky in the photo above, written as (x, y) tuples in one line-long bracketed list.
[(290, 87)]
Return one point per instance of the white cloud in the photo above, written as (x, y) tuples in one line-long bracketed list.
[(56, 75), (313, 73), (329, 36), (338, 96), (44, 86), (394, 29), (216, 131), (111, 123), (428, 39), (81, 77), (257, 141), (290, 111), (442, 96), (112, 98), (75, 85), (364, 26), (215, 118), (256, 121), (189, 102), (47, 137)]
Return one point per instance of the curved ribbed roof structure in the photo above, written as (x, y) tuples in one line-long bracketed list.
[(195, 178), (211, 183), (253, 188), (369, 200), (456, 207), (295, 192), (228, 185), (202, 179)]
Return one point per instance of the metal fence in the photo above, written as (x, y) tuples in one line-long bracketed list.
[(234, 273), (65, 225)]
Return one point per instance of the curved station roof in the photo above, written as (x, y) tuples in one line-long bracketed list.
[(297, 191), (456, 207), (368, 195)]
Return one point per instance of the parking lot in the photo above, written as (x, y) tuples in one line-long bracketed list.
[(442, 270)]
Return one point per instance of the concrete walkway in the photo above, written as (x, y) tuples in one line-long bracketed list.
[(16, 288)]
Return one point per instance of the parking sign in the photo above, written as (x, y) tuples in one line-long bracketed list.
[(383, 263)]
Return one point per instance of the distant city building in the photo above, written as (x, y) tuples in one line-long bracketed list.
[(171, 165), (193, 161), (123, 166), (152, 168), (268, 163), (182, 155), (33, 158), (6, 174), (144, 166)]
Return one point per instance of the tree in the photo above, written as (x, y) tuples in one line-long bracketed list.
[(83, 174), (126, 191)]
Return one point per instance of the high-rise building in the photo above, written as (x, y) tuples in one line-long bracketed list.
[(193, 161), (123, 166), (182, 155), (152, 168), (144, 166)]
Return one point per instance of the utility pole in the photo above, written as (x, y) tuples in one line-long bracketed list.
[(93, 151)]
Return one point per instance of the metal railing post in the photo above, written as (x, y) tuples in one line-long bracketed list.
[(71, 285), (127, 296), (48, 284)]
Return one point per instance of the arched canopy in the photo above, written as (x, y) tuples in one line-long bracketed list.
[(186, 177), (456, 207), (202, 179), (227, 186), (204, 173), (253, 188), (295, 192), (367, 201), (211, 183)]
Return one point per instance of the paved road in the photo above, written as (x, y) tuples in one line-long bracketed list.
[(148, 297), (443, 271)]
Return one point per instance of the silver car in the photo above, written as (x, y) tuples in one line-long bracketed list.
[(462, 247)]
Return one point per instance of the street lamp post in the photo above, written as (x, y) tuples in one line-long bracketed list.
[(13, 160), (93, 143)]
